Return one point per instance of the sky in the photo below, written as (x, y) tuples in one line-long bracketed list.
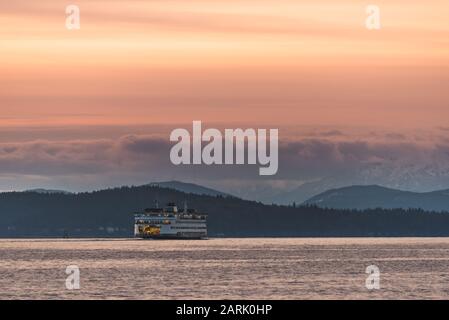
[(90, 108)]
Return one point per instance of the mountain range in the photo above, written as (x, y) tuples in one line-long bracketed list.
[(364, 197), (348, 197), (47, 191), (189, 188)]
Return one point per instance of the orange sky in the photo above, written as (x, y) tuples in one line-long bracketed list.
[(277, 62), (92, 108)]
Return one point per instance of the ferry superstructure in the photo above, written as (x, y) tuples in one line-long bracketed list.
[(169, 223)]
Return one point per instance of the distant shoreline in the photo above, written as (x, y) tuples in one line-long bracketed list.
[(211, 238), (110, 214)]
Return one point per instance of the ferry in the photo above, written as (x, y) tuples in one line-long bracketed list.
[(170, 223)]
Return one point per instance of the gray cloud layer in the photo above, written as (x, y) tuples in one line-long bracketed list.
[(86, 164)]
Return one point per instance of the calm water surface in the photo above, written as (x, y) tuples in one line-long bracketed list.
[(411, 268)]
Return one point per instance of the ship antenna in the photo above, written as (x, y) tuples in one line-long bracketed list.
[(156, 203), (185, 206)]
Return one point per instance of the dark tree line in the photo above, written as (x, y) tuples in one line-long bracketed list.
[(109, 213)]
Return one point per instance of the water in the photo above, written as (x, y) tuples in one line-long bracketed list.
[(411, 268)]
